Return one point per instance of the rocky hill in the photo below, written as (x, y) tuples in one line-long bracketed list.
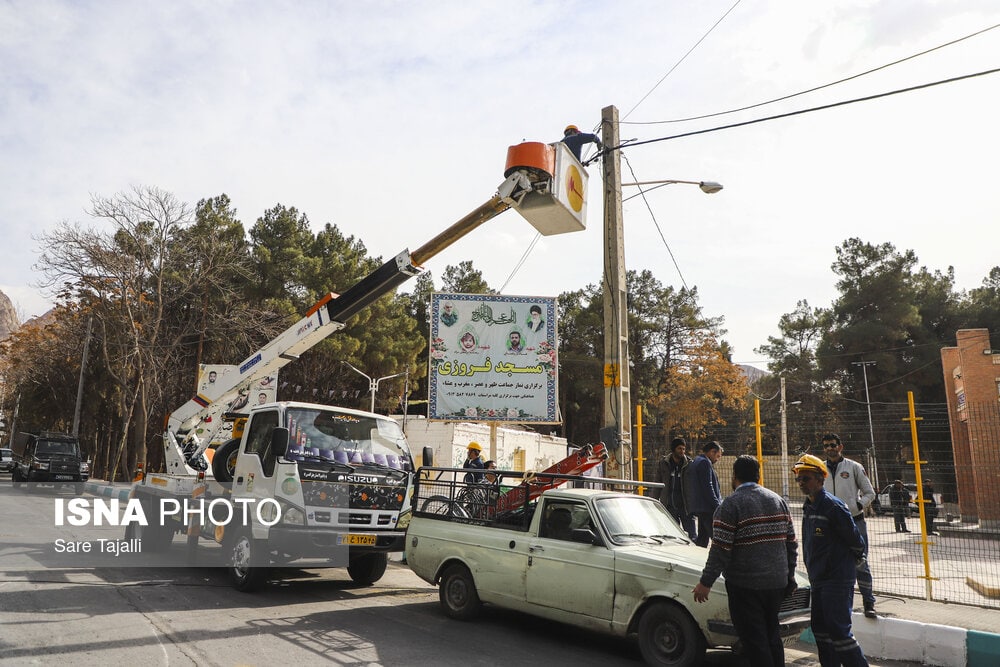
[(8, 316)]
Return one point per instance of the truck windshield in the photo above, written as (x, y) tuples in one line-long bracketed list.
[(631, 518), (56, 447), (347, 438)]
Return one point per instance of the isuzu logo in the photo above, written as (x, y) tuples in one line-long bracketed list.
[(358, 479)]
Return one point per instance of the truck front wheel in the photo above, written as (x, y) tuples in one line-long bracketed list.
[(244, 552), (668, 637), (367, 569), (458, 594)]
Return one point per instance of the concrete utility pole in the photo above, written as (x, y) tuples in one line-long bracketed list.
[(83, 369), (617, 421), (872, 459)]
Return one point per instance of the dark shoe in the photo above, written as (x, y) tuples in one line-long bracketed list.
[(905, 530), (870, 610)]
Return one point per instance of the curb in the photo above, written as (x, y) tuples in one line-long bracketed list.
[(107, 491), (925, 643)]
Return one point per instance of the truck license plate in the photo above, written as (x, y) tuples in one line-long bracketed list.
[(356, 539)]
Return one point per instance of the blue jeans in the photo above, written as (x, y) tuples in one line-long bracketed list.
[(831, 625), (865, 573), (704, 528)]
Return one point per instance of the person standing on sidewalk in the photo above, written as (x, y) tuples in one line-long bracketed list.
[(833, 550), (930, 507), (899, 500), (754, 546), (847, 480), (701, 490), (670, 473)]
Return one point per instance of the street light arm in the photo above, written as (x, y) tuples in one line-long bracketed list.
[(708, 187), (357, 370)]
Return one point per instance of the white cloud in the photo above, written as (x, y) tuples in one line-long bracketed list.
[(392, 119)]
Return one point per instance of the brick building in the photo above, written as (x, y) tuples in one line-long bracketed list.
[(972, 381)]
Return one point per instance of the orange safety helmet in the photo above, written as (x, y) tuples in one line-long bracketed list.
[(810, 463), (571, 129)]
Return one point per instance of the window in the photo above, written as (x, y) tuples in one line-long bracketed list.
[(259, 439)]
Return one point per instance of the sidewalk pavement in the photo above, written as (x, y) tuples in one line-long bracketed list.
[(920, 632)]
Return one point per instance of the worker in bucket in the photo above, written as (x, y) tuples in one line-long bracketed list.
[(575, 140)]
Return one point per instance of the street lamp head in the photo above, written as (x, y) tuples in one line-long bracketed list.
[(710, 187)]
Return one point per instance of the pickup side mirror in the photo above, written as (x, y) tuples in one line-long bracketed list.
[(586, 536), (428, 457)]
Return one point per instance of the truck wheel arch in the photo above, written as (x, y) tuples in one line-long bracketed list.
[(688, 649)]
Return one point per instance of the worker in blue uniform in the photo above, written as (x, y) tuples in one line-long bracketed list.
[(575, 140)]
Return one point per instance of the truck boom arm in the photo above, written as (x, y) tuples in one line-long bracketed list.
[(190, 428)]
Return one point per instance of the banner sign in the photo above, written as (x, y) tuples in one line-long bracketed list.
[(493, 358)]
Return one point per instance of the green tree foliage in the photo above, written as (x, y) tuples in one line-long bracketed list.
[(890, 313), (982, 307), (679, 366), (465, 279), (581, 354)]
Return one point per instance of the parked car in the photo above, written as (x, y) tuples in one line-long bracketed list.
[(6, 459), (608, 561), (883, 506)]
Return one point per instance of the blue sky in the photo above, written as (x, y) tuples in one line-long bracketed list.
[(392, 120)]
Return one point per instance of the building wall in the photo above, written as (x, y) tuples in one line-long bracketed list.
[(515, 449), (972, 378)]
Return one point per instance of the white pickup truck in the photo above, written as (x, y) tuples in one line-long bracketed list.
[(610, 561)]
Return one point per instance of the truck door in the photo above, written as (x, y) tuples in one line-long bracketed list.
[(256, 462), (569, 575)]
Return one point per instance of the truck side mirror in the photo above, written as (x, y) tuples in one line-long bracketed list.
[(279, 440), (428, 457)]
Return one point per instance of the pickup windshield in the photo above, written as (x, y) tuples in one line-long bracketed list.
[(57, 447), (347, 438), (635, 518)]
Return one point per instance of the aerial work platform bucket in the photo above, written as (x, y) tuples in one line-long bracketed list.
[(557, 201)]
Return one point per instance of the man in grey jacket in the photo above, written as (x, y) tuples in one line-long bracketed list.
[(847, 480)]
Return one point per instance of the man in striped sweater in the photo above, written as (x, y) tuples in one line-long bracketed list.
[(753, 545)]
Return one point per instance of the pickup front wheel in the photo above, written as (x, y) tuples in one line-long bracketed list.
[(668, 637), (457, 591)]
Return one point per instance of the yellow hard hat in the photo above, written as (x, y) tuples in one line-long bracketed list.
[(475, 445), (571, 128), (810, 463)]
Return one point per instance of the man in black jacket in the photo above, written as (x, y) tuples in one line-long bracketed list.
[(670, 473)]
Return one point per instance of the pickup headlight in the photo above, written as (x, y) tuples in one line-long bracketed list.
[(85, 467), (40, 465)]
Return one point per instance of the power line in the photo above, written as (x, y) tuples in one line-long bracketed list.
[(814, 89), (657, 225), (683, 58), (809, 110)]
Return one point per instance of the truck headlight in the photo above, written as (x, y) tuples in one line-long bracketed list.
[(291, 515), (85, 467), (40, 465), (404, 519)]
